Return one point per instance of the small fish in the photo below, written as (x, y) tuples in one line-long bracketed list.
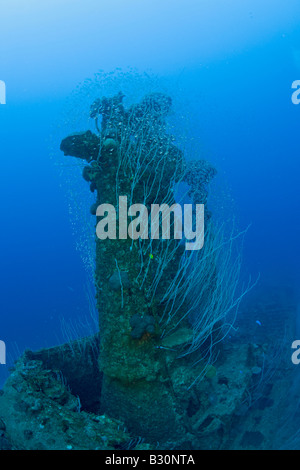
[(258, 322)]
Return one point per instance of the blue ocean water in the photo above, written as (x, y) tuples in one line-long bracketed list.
[(233, 64)]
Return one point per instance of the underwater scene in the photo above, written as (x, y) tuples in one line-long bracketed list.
[(150, 227)]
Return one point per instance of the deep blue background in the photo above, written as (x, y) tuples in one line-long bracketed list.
[(235, 65)]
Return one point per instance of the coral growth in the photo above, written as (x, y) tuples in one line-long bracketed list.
[(147, 288)]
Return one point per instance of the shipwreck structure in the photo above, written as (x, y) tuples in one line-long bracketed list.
[(148, 290)]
